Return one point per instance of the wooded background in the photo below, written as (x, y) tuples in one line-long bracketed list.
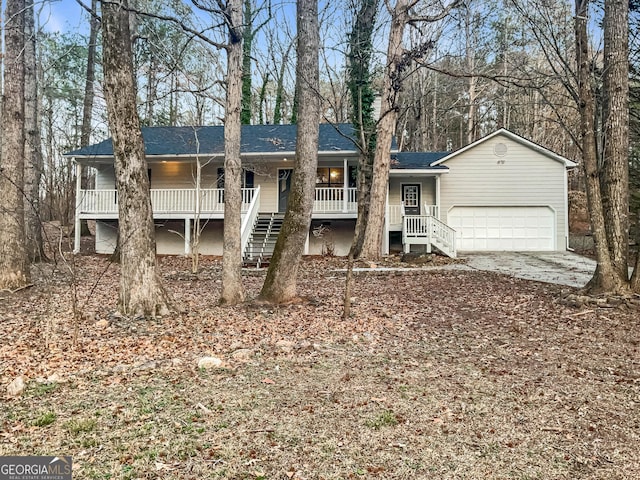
[(447, 74)]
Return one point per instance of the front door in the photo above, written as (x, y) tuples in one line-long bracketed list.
[(411, 198), (284, 186)]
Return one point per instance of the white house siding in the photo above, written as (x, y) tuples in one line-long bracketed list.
[(427, 188), (105, 177), (266, 176), (523, 177), (169, 237), (182, 175), (170, 240), (106, 237)]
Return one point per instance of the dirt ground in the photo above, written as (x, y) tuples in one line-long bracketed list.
[(438, 374)]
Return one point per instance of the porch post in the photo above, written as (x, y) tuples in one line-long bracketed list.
[(438, 197), (306, 245), (78, 222), (385, 240), (406, 246), (187, 236), (345, 186)]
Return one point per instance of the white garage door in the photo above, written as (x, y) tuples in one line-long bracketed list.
[(503, 228)]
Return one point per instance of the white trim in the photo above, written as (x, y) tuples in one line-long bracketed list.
[(438, 197), (187, 236), (345, 185), (402, 185), (278, 187), (418, 171), (180, 156), (483, 205), (566, 208), (78, 223), (516, 138), (385, 237)]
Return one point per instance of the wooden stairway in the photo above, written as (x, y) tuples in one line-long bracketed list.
[(263, 239)]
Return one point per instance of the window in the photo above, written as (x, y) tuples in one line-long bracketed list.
[(247, 178), (330, 177)]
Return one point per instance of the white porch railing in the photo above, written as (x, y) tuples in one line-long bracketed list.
[(183, 201), (428, 230), (249, 219), (335, 200), (98, 201), (395, 212), (176, 201), (432, 210), (163, 201)]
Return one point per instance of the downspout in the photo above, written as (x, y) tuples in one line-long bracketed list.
[(566, 209)]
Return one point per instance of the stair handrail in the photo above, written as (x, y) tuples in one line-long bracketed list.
[(444, 237), (249, 220), (431, 229)]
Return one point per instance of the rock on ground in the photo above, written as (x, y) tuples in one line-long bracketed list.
[(16, 387)]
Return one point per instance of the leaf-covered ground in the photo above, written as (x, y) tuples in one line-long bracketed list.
[(438, 374)]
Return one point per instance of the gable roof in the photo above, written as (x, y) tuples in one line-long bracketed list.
[(256, 139), (417, 161), (516, 138)]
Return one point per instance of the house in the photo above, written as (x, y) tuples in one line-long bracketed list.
[(501, 192)]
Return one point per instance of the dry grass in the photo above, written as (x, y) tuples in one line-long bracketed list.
[(440, 374)]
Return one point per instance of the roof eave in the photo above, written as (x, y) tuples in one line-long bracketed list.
[(418, 171), (192, 156), (515, 137)]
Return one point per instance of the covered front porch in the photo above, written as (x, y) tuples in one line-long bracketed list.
[(191, 205), (205, 202), (412, 202)]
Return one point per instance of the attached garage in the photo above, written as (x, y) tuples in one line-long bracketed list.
[(509, 228), (505, 193)]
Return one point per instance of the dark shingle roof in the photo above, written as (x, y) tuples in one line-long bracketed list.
[(255, 139), (417, 160)]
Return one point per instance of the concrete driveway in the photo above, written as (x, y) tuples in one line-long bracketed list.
[(563, 268)]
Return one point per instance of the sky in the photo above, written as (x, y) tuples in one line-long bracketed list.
[(62, 16)]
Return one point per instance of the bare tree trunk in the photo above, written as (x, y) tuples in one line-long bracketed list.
[(471, 120), (470, 54), (232, 290), (280, 285), (262, 98), (14, 266), (32, 145), (615, 172), (362, 98), (372, 243), (277, 109), (89, 95), (248, 34), (141, 291), (604, 278), (87, 107)]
